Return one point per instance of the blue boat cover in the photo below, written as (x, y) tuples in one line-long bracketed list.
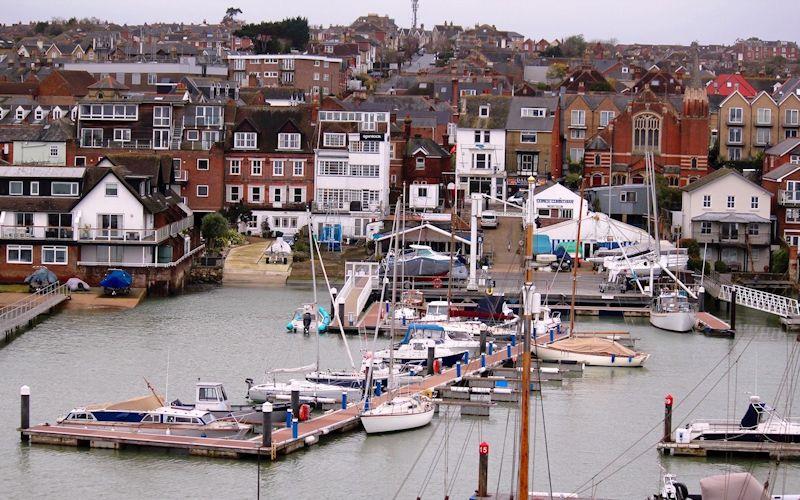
[(117, 279), (419, 326), (41, 277)]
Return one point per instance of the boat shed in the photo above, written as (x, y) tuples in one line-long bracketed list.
[(598, 230), (424, 234)]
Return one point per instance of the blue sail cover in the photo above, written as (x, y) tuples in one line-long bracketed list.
[(117, 279), (419, 326)]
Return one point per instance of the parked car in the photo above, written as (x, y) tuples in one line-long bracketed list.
[(519, 197), (488, 219)]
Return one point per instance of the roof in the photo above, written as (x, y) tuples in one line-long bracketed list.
[(152, 166), (108, 83), (740, 217), (77, 81), (421, 227), (42, 172), (37, 203), (779, 173), (516, 121), (267, 122), (428, 146), (498, 112), (714, 176), (783, 147)]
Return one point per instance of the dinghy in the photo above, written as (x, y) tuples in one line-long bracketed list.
[(318, 322)]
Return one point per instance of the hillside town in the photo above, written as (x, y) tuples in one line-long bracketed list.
[(473, 191)]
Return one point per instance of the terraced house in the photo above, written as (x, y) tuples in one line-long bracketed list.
[(533, 145)]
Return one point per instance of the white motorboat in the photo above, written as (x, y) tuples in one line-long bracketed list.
[(675, 260), (399, 414), (739, 485), (591, 352), (423, 261), (356, 378), (759, 424), (442, 335), (415, 352), (310, 392), (673, 311)]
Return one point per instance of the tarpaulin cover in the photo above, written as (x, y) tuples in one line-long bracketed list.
[(594, 346), (117, 278), (736, 486)]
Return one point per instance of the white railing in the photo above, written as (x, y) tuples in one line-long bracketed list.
[(142, 264), (789, 197), (37, 232), (371, 269), (20, 308), (181, 176), (762, 301)]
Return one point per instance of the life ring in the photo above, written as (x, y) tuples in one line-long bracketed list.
[(437, 282), (305, 411)]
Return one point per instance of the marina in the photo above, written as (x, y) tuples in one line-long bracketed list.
[(245, 352)]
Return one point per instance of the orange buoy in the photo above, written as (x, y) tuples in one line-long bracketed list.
[(305, 412)]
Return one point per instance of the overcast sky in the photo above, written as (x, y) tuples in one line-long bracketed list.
[(677, 21)]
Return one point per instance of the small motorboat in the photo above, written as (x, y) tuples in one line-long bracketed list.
[(590, 351), (147, 415), (673, 311), (451, 338), (212, 397), (759, 424), (117, 282), (77, 285), (733, 486), (398, 414), (40, 278), (356, 379), (306, 320), (415, 352)]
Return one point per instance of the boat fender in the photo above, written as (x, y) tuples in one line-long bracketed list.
[(437, 366), (305, 411)]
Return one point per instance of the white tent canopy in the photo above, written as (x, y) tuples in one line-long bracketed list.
[(596, 228)]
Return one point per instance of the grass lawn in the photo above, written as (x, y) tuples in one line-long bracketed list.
[(334, 264), (13, 288)]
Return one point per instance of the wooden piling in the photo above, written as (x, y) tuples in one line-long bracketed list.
[(667, 438), (732, 306), (25, 412), (483, 469), (431, 355), (266, 422)]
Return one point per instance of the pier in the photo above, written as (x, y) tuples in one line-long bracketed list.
[(25, 311), (698, 448), (284, 440)]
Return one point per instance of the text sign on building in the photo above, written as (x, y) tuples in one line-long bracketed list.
[(371, 136), (553, 202)]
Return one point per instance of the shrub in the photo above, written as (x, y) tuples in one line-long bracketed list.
[(780, 261), (214, 228), (721, 267)]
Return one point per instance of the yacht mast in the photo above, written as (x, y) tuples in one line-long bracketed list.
[(394, 299), (315, 309), (575, 264)]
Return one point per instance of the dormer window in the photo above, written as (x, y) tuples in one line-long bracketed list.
[(483, 111), (288, 141), (244, 140), (39, 114), (20, 114), (57, 113)]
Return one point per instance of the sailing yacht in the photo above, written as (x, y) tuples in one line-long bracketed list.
[(399, 414), (673, 311)]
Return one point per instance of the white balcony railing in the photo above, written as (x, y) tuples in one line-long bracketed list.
[(37, 232), (181, 176), (789, 197)]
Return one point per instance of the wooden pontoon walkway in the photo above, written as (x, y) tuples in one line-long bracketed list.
[(309, 432), (26, 310), (698, 448), (712, 321)]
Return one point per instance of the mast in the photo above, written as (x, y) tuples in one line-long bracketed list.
[(452, 245), (314, 310), (394, 299), (527, 327), (575, 264)]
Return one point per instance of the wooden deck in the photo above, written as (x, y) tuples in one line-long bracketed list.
[(25, 311), (309, 432), (709, 447), (712, 321)]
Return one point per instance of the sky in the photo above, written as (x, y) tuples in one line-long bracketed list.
[(626, 21)]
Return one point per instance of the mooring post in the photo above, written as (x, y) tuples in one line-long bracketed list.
[(466, 358), (483, 341), (266, 423), (701, 299), (294, 428), (483, 469), (491, 348), (378, 388), (289, 415), (733, 309), (431, 351), (667, 419), (508, 351), (295, 401), (483, 361), (458, 370), (344, 400), (513, 340), (25, 412)]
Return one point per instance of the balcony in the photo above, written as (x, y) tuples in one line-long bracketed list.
[(36, 233), (763, 123), (789, 198), (202, 121), (735, 122), (133, 236), (734, 238), (112, 144), (791, 124), (181, 176), (345, 207)]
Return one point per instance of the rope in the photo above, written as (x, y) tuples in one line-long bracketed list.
[(416, 460)]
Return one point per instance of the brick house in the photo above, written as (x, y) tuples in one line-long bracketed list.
[(314, 74), (784, 183), (675, 129), (583, 115), (424, 162), (269, 165), (533, 140)]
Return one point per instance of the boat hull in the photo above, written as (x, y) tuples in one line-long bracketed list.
[(376, 424), (679, 321), (552, 354)]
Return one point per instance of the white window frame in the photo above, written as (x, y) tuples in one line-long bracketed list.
[(735, 135), (754, 202), (56, 250), (533, 112), (484, 110), (53, 150), (162, 116), (34, 188), (245, 140), (256, 166), (73, 188), (161, 142), (763, 136), (229, 189), (197, 191), (763, 116), (793, 117), (111, 189), (735, 115), (122, 135), (192, 135), (20, 188), (203, 161), (607, 117), (19, 249), (235, 166), (528, 134), (298, 172), (706, 201), (578, 118), (252, 190), (289, 140), (334, 140), (731, 201), (278, 168)]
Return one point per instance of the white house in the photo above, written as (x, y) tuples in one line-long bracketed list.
[(731, 215), (481, 146), (351, 172), (555, 203)]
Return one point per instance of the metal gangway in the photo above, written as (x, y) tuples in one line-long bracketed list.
[(785, 307), (21, 312)]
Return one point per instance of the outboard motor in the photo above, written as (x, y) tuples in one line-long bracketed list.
[(249, 383), (306, 322), (753, 415)]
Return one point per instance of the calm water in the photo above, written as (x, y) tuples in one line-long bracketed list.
[(228, 334)]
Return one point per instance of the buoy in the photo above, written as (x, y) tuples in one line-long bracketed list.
[(304, 412), (437, 366)]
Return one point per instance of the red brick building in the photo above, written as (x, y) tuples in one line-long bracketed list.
[(675, 129)]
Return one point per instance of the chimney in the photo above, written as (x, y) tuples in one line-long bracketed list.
[(454, 96), (407, 128), (446, 141)]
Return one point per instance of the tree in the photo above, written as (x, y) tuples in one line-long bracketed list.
[(230, 13), (213, 228), (238, 212), (557, 71), (574, 46), (40, 27), (553, 51), (277, 37), (780, 261)]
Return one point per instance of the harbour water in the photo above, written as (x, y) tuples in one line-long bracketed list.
[(227, 334)]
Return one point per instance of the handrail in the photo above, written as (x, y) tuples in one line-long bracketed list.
[(16, 309), (142, 264)]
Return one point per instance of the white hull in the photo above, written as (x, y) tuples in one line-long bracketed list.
[(309, 391), (551, 354), (378, 420), (678, 321), (297, 326)]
